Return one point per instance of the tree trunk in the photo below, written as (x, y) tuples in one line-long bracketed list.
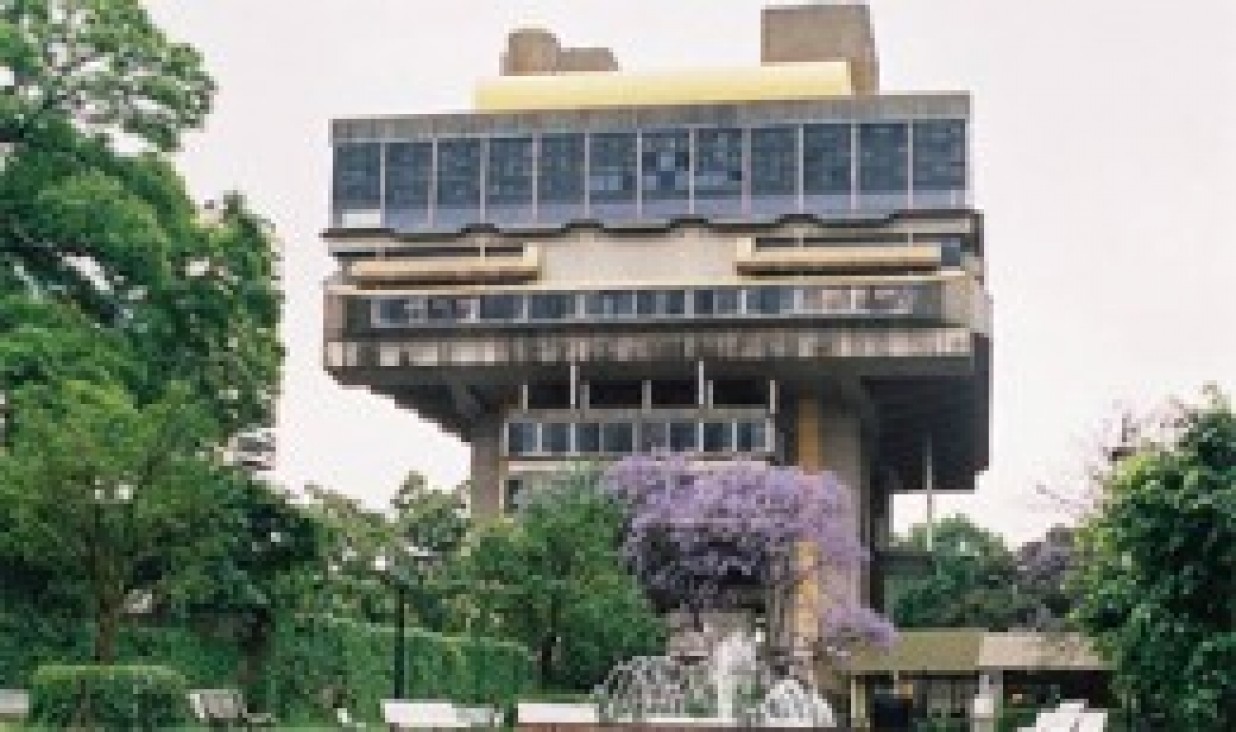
[(107, 628)]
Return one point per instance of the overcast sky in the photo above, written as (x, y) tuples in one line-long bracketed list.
[(1106, 164)]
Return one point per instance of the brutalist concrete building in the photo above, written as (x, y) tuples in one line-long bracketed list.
[(779, 263)]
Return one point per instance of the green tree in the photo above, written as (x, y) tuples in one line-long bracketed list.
[(108, 247), (554, 580), (429, 518), (973, 582), (101, 65), (102, 497), (1156, 580)]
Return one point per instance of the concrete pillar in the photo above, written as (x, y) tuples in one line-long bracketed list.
[(488, 470), (829, 437)]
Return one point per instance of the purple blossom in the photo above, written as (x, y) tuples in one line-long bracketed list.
[(698, 535)]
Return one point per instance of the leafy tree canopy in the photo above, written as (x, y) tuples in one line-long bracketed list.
[(101, 65), (554, 580), (102, 498), (1156, 583)]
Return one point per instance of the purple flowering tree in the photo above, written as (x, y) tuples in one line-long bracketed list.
[(698, 537)]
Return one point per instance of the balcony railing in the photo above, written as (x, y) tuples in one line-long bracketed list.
[(608, 433)]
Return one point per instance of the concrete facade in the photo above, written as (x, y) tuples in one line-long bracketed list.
[(796, 281)]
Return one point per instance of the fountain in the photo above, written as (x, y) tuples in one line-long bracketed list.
[(728, 688)]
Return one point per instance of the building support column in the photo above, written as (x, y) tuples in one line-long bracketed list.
[(488, 471)]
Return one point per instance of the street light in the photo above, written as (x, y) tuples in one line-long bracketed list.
[(419, 557)]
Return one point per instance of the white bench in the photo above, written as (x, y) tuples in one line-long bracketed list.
[(542, 713), (410, 715), (14, 704)]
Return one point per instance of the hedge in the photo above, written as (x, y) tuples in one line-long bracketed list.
[(319, 663), (314, 664), (108, 697)]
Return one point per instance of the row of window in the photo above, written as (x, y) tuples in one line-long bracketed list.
[(713, 302), (665, 172), (616, 438)]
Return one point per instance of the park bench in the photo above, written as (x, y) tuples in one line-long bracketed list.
[(14, 704), (226, 708), (540, 713), (421, 715)]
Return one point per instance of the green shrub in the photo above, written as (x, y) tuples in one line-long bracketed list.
[(318, 663), (108, 697)]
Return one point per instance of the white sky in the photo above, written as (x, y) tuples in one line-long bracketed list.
[(1105, 153)]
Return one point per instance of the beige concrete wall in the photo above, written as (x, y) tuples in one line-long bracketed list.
[(595, 257), (791, 34)]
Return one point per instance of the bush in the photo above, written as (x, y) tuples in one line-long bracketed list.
[(318, 663), (108, 697)]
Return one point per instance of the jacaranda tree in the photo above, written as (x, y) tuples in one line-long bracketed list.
[(699, 537)]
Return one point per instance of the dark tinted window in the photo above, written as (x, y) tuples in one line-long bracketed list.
[(618, 438), (718, 164), (357, 178), (561, 176), (556, 438), (716, 302), (611, 176), (717, 437), (500, 307), (883, 159), (827, 159), (588, 438), (750, 437), (684, 437), (508, 180), (459, 173), (408, 168), (551, 306), (940, 155), (616, 303), (667, 165), (774, 161), (521, 438)]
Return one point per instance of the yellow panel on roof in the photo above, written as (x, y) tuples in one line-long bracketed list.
[(575, 91)]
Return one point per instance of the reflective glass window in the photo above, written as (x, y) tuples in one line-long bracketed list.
[(717, 437), (660, 302), (556, 438), (521, 438), (653, 436), (720, 301), (610, 304), (459, 173), (588, 438), (561, 173), (393, 311), (551, 306), (358, 175), (768, 300), (409, 166), (751, 436), (667, 165), (508, 179), (500, 307), (683, 437), (827, 159), (940, 155), (612, 163), (774, 161), (618, 438), (884, 158), (718, 163)]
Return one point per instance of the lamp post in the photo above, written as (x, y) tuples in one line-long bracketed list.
[(391, 567)]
